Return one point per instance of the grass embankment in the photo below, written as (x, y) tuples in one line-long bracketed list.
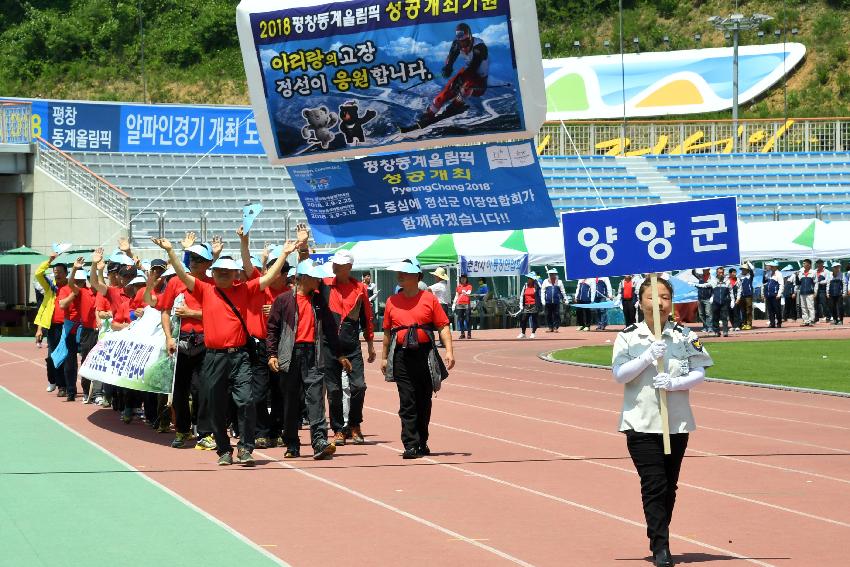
[(817, 364)]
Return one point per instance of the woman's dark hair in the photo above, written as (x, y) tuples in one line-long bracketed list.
[(464, 276), (648, 282)]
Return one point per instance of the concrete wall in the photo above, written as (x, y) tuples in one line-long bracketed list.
[(56, 214)]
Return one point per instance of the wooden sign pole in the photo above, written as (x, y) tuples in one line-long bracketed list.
[(656, 330)]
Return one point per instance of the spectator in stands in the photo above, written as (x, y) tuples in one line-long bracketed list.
[(721, 302), (530, 305), (773, 289), (461, 306), (704, 295), (554, 296), (745, 296), (835, 292), (227, 360), (602, 289), (634, 364), (50, 318), (409, 358), (807, 289), (585, 292), (821, 306), (627, 298)]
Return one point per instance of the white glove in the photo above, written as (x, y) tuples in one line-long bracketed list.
[(655, 351), (663, 381)]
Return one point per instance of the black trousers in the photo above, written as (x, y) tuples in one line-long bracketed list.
[(303, 371), (629, 311), (332, 370), (227, 375), (69, 367), (265, 387), (720, 313), (88, 339), (790, 308), (54, 375), (187, 382), (553, 316), (413, 381), (526, 319), (836, 306), (584, 317), (821, 308), (659, 477), (774, 311)]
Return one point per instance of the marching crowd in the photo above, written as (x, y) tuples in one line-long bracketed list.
[(260, 346)]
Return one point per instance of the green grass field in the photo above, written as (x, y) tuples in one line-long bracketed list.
[(818, 364)]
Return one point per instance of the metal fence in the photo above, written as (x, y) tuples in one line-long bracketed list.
[(81, 180), (15, 122), (642, 138)]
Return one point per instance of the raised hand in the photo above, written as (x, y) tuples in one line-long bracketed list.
[(97, 256), (288, 248), (188, 240), (79, 263), (217, 245), (124, 244), (163, 243), (302, 233), (243, 236)]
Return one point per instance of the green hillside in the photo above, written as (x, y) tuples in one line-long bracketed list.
[(92, 49)]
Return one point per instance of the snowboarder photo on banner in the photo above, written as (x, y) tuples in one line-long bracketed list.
[(470, 80)]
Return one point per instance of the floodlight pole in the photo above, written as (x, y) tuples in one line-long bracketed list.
[(735, 35)]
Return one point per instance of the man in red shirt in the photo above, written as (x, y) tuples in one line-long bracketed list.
[(70, 306), (84, 304), (226, 362), (348, 301), (265, 385), (300, 327)]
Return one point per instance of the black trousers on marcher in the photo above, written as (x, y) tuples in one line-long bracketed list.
[(659, 476), (774, 311), (332, 370), (227, 375), (720, 313), (69, 367), (88, 339), (187, 382), (553, 316), (413, 381), (54, 375), (527, 318), (303, 371), (836, 305), (629, 311), (584, 317), (821, 308)]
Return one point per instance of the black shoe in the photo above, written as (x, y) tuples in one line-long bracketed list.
[(411, 453), (71, 398), (664, 559), (424, 450)]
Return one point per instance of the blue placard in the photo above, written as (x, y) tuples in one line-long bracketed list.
[(462, 189), (651, 238), (368, 73)]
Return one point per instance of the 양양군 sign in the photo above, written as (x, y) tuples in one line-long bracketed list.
[(651, 238)]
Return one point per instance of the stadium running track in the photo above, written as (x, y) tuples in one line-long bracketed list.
[(527, 469)]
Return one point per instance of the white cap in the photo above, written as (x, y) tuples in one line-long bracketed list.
[(168, 272), (225, 263), (81, 275), (138, 280), (342, 257)]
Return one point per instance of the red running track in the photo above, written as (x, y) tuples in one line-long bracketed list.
[(528, 468)]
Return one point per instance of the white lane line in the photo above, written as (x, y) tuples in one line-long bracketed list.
[(165, 489), (580, 506), (695, 487), (389, 507)]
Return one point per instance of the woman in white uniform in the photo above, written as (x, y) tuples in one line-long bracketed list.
[(635, 353)]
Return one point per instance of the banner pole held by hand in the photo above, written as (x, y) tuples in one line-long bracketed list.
[(659, 364)]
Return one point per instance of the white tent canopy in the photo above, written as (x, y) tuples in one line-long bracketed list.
[(792, 239)]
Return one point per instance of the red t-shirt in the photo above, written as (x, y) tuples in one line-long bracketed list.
[(101, 303), (119, 304), (628, 289), (58, 312), (165, 302), (343, 298), (86, 298), (222, 328), (72, 311), (306, 331), (422, 308), (528, 296), (255, 318), (461, 292)]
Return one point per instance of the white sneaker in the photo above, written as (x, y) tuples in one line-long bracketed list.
[(521, 336), (532, 335), (51, 387)]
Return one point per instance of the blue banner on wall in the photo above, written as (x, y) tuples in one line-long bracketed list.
[(368, 73), (148, 128), (463, 189), (651, 238)]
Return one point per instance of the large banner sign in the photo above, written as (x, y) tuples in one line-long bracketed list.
[(479, 267), (133, 358), (651, 238), (330, 79), (461, 189)]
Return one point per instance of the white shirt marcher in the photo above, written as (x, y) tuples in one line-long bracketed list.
[(441, 290), (634, 365)]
